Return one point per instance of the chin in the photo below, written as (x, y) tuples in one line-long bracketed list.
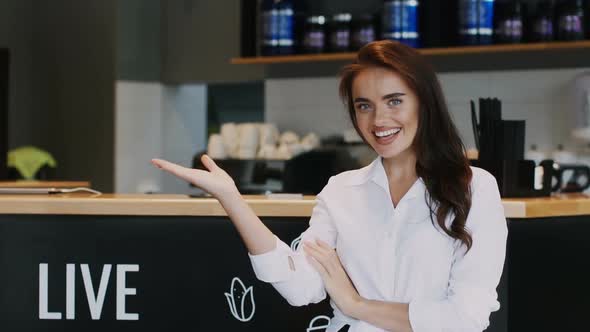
[(389, 152)]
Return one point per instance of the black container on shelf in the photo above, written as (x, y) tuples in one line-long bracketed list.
[(391, 25), (542, 29), (339, 30), (438, 23), (570, 20), (410, 23), (314, 35), (509, 23), (249, 28), (281, 22), (400, 21), (475, 21), (269, 35), (363, 31)]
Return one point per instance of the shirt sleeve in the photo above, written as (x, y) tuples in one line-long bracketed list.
[(474, 276), (303, 284)]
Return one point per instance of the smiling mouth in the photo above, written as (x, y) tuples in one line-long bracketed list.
[(385, 134)]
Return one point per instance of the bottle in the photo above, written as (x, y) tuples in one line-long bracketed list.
[(339, 33), (363, 31), (269, 17), (314, 39), (476, 18), (542, 29), (570, 22), (286, 26), (485, 21), (409, 23), (400, 21), (509, 29), (392, 20), (468, 22)]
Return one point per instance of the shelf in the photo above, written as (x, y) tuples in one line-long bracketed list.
[(446, 51)]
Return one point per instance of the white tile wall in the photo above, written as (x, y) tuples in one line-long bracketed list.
[(153, 120), (184, 130), (138, 136), (541, 97)]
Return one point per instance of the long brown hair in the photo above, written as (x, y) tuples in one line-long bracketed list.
[(441, 160)]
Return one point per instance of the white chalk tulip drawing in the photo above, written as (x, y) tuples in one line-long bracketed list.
[(318, 320), (296, 242), (238, 298)]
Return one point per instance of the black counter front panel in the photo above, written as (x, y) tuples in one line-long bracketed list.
[(115, 273), (120, 273)]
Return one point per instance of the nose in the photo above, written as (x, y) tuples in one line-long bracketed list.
[(382, 116)]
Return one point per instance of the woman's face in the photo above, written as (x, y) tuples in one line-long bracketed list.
[(386, 112)]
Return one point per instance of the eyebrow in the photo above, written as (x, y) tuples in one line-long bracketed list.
[(388, 96)]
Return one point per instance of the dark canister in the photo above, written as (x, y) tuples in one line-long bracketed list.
[(510, 23), (269, 21), (476, 19), (339, 32), (363, 31), (314, 39), (542, 25), (570, 21)]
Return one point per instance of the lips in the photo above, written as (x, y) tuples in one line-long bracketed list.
[(386, 135)]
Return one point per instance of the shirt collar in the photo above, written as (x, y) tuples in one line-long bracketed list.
[(375, 172)]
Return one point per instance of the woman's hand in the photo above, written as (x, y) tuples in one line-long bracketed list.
[(338, 285), (214, 181)]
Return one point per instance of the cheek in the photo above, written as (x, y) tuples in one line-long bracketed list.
[(411, 120), (363, 121)]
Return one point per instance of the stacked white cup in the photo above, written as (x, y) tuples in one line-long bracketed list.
[(248, 144), (216, 147), (230, 136)]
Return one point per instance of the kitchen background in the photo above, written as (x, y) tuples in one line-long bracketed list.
[(106, 85)]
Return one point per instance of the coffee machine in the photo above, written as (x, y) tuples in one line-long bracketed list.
[(306, 173)]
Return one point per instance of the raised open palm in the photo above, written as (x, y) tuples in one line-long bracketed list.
[(214, 180)]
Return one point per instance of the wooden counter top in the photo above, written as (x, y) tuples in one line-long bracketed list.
[(556, 205), (182, 205), (146, 205), (43, 184)]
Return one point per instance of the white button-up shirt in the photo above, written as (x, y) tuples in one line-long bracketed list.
[(397, 254)]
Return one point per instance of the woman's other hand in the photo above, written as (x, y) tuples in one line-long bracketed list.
[(338, 285), (214, 180)]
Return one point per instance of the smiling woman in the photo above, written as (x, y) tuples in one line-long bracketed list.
[(415, 241), (396, 104)]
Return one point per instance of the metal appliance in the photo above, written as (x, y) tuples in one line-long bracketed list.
[(306, 173)]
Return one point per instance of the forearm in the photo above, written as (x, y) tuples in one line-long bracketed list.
[(256, 236), (390, 316)]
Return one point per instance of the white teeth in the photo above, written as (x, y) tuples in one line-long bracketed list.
[(387, 132)]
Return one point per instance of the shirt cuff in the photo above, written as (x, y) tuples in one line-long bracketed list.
[(423, 316), (273, 266)]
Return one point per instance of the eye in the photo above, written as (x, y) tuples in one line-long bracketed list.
[(363, 107), (394, 102)]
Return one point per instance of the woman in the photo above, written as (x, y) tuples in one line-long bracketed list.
[(413, 242)]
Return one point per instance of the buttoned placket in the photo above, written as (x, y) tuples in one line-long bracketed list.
[(387, 257), (396, 219), (388, 254), (397, 222)]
